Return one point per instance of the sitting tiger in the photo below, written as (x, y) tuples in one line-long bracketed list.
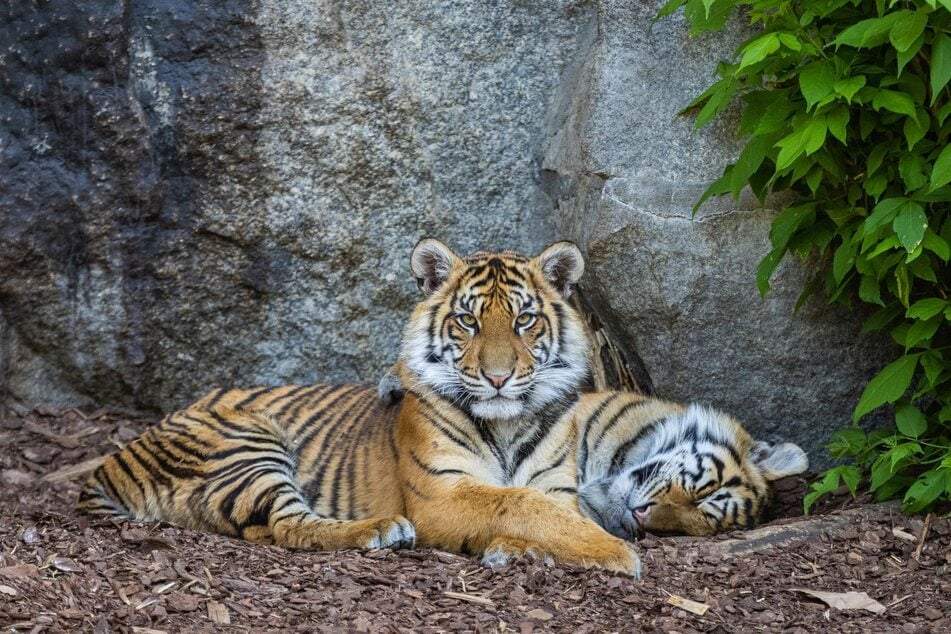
[(479, 456)]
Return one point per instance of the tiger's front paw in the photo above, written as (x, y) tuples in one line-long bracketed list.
[(625, 560), (504, 550), (391, 532)]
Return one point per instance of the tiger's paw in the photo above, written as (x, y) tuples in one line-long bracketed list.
[(620, 557), (392, 532), (503, 551)]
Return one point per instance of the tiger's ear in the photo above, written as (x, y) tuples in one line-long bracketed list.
[(432, 261), (562, 264), (779, 461)]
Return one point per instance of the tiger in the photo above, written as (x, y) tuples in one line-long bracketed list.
[(646, 464), (477, 457), (650, 465)]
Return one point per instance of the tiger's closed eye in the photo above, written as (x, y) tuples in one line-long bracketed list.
[(467, 320), (525, 320)]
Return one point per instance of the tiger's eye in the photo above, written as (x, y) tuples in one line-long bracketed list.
[(467, 320), (525, 319)]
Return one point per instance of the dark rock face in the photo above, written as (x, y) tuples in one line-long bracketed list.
[(212, 192), (114, 132)]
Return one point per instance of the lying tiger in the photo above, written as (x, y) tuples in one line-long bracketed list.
[(480, 456)]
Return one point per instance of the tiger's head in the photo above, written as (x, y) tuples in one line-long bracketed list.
[(495, 333), (695, 472)]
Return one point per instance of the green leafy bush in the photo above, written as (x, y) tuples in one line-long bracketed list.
[(846, 103)]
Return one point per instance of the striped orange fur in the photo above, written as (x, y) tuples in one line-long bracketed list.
[(479, 456)]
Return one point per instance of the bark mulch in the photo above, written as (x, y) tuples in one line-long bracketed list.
[(63, 572)]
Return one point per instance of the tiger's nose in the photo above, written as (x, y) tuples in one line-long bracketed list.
[(641, 514), (497, 378)]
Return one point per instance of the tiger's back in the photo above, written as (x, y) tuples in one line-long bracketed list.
[(260, 464)]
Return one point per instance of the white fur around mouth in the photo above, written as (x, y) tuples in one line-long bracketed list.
[(497, 408)]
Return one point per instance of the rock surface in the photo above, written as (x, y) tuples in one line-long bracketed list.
[(681, 289), (202, 192), (212, 192)]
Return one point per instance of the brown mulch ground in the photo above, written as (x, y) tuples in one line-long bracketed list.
[(60, 571)]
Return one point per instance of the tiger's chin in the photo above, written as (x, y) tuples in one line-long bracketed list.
[(497, 408)]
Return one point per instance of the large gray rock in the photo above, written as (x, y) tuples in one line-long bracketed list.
[(681, 289), (202, 192), (219, 192)]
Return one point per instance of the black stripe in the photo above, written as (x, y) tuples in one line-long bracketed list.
[(314, 429), (250, 398), (592, 420), (120, 460), (432, 470), (557, 463)]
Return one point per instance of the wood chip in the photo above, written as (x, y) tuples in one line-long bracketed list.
[(472, 598), (539, 614), (218, 613), (845, 600), (146, 630), (7, 590), (19, 572), (694, 607), (65, 564), (901, 534)]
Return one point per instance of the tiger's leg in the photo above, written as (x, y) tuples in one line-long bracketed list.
[(293, 524), (229, 473), (502, 521)]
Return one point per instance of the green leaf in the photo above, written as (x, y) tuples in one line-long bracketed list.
[(869, 291), (849, 86), (910, 421), (765, 269), (907, 27), (933, 364), (925, 490), (669, 8), (901, 453), (887, 386), (937, 245), (847, 442), (941, 172), (903, 57), (926, 308), (867, 33), (837, 120), (788, 221), (902, 284), (910, 225), (851, 476), (881, 318), (757, 50), (884, 213), (915, 131), (843, 260), (805, 139), (922, 331), (882, 471), (940, 63), (913, 169), (749, 161), (815, 82), (828, 484), (894, 101)]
